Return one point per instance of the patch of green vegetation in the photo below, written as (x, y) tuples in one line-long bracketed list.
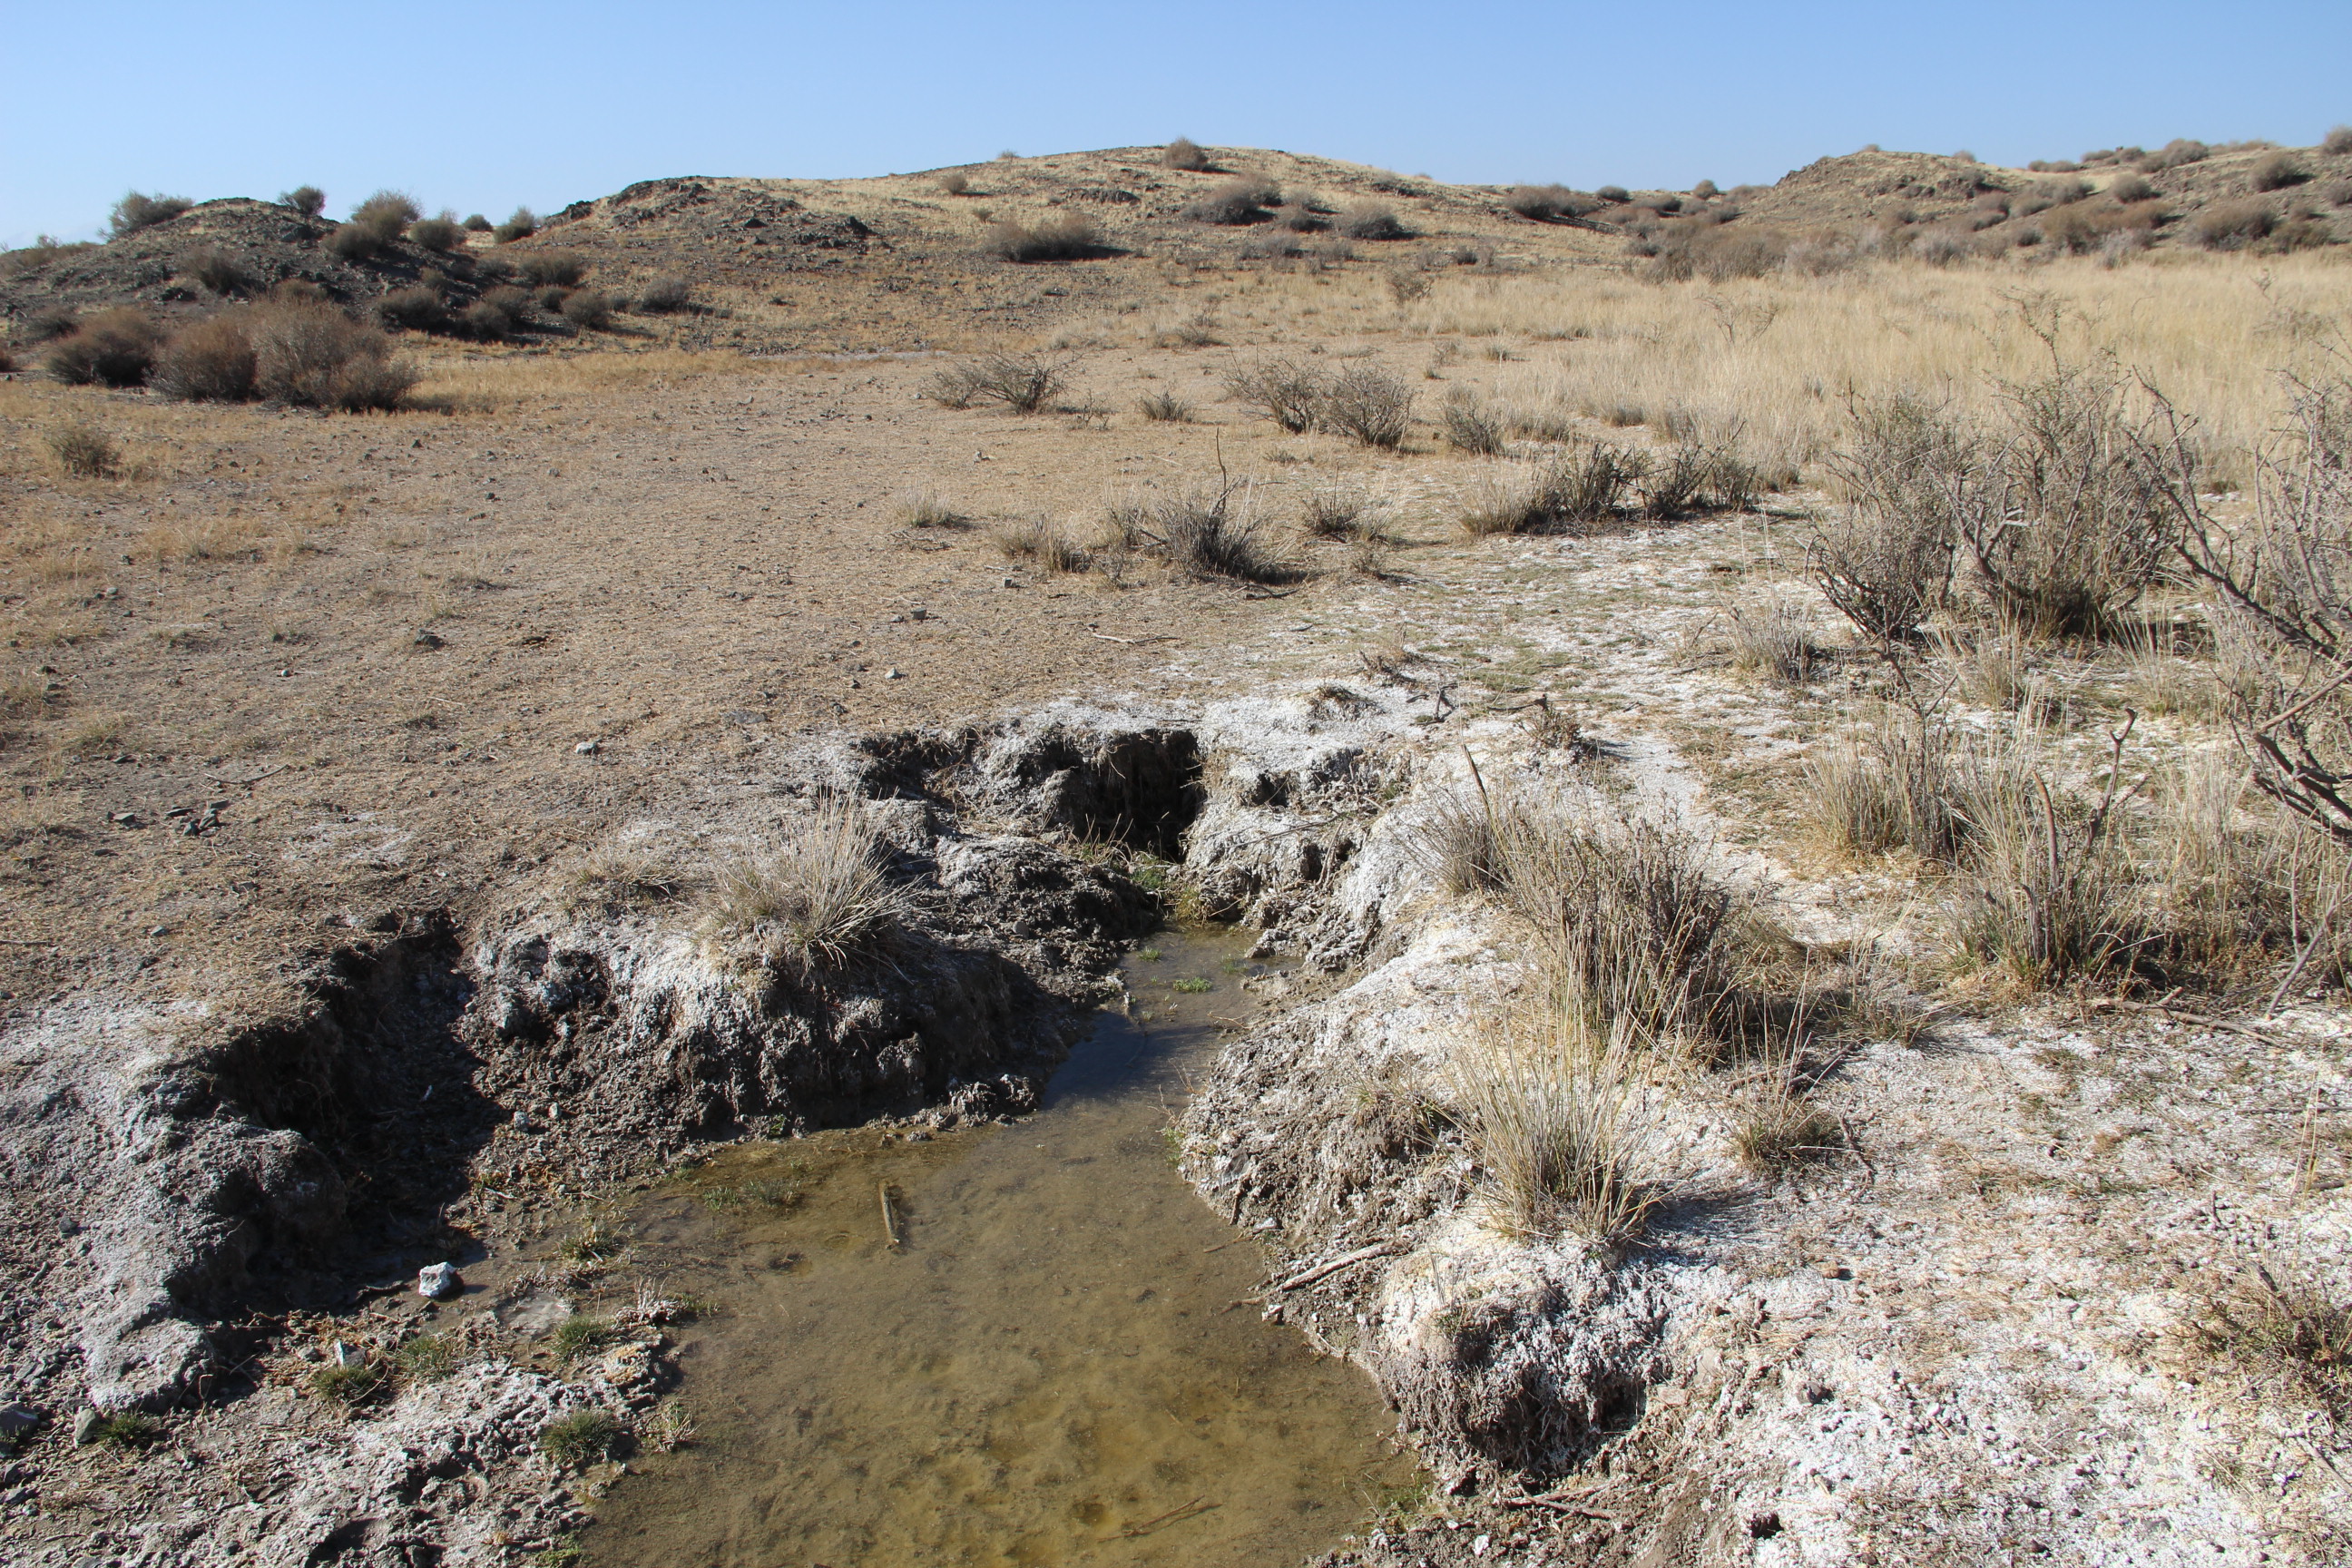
[(1192, 986), (349, 1386), (427, 1358), (1148, 955), (579, 1334), (1151, 876), (580, 1438), (599, 1243), (1401, 1505), (564, 1552), (773, 1193), (127, 1429)]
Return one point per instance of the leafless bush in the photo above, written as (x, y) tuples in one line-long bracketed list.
[(1164, 408), (436, 234), (1548, 204), (484, 322), (2232, 226), (211, 362), (218, 271), (1216, 533), (2177, 154), (1285, 391), (307, 200), (1884, 559), (1022, 381), (665, 295), (521, 225), (2130, 188), (313, 355), (1056, 240), (112, 348), (553, 268), (1371, 405), (1372, 222), (84, 451), (1338, 511), (1471, 428), (415, 309), (2278, 172), (589, 310), (955, 183), (819, 898), (2070, 525), (1237, 201), (1183, 153), (1586, 485), (386, 214), (135, 212), (355, 242)]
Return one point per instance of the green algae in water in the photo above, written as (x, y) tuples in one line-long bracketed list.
[(1058, 1365)]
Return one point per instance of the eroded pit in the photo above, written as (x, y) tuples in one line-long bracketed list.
[(1059, 1361)]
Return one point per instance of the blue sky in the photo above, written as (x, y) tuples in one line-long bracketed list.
[(479, 107)]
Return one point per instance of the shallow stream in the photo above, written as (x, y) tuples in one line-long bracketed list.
[(1056, 1362)]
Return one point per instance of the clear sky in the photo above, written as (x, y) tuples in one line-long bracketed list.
[(485, 105)]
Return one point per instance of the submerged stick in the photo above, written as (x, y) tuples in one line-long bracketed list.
[(890, 1221), (1197, 1505)]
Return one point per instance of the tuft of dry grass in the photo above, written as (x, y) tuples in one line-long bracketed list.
[(2300, 1328), (815, 900), (1044, 541), (1558, 1120), (1471, 427), (1056, 240), (1164, 408), (84, 451), (1775, 639), (925, 508)]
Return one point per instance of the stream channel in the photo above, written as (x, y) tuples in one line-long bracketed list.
[(1055, 1364)]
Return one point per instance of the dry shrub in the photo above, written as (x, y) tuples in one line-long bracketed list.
[(1370, 405), (1884, 559), (313, 356), (2232, 226), (2337, 142), (84, 451), (553, 268), (2070, 522), (664, 296), (1372, 222), (588, 310), (1557, 1117), (1185, 155), (2130, 188), (1237, 201), (112, 348), (1572, 489), (1775, 639), (1471, 428), (1548, 204), (355, 242), (1044, 541), (1695, 475), (415, 309), (816, 900), (307, 200), (135, 212), (218, 271), (1164, 408), (437, 234), (1213, 533), (2300, 1330), (955, 183), (1022, 381), (521, 225), (925, 508), (484, 322), (1904, 784), (1338, 511), (2047, 893), (2278, 172), (211, 362), (1056, 240), (1285, 391)]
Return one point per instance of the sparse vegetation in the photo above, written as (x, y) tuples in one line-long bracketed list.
[(521, 225), (1471, 427), (588, 310), (1164, 408), (1183, 154), (1024, 383), (1055, 239), (1243, 200), (112, 348), (1557, 1117), (1044, 541), (84, 451), (815, 900), (580, 1439), (441, 234), (924, 509), (664, 296), (1285, 391), (1371, 222), (1370, 405), (135, 212), (307, 200), (553, 268)]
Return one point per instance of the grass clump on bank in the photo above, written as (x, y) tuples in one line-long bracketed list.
[(814, 901)]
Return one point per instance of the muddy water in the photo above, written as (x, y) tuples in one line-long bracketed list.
[(1048, 1368)]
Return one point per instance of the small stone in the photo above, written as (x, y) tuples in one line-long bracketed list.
[(587, 748), (16, 1420), (159, 930), (438, 1281), (892, 674), (86, 1425), (426, 638), (349, 1355)]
